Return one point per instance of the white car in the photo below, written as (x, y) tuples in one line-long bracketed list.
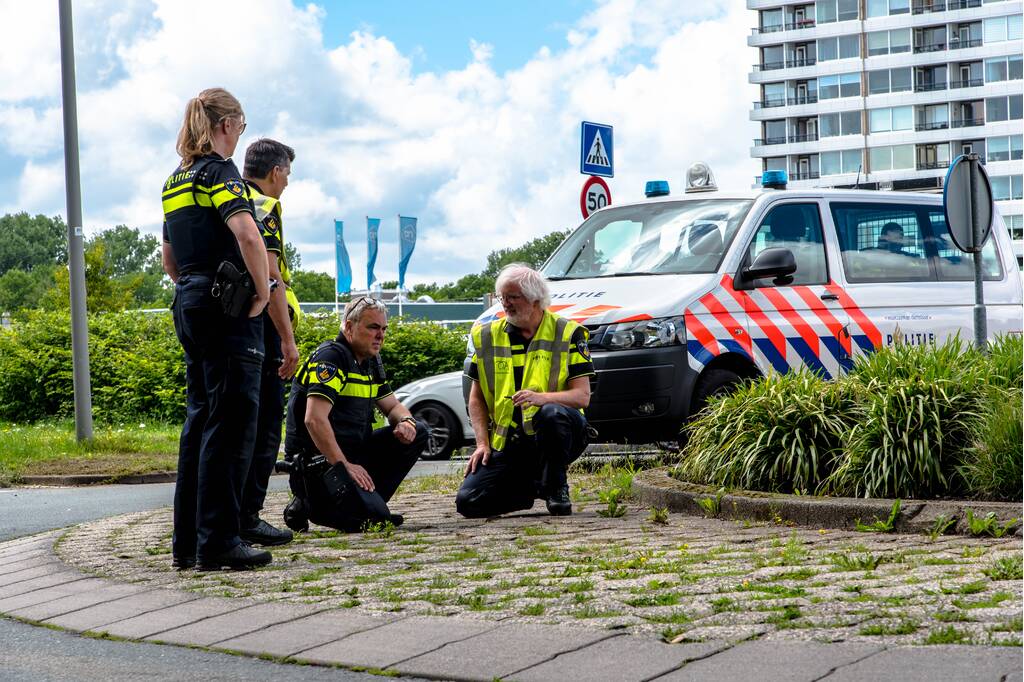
[(438, 402)]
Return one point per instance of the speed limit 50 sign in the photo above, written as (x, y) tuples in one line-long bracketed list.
[(595, 196)]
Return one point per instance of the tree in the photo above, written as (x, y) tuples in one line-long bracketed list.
[(20, 289), (313, 286), (28, 242), (292, 256), (127, 251), (532, 253), (104, 292)]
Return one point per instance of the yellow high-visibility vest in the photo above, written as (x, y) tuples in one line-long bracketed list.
[(545, 370)]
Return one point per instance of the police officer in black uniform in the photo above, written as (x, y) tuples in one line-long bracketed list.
[(330, 415), (209, 230)]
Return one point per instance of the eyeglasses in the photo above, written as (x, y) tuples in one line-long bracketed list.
[(241, 122), (362, 303), (510, 298)]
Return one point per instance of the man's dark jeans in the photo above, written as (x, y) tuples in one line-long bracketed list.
[(528, 467), (223, 357), (267, 443)]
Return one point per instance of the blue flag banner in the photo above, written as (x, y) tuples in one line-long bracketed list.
[(407, 243), (343, 281), (372, 227)]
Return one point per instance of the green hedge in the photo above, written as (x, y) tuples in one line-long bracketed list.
[(137, 366), (907, 421)]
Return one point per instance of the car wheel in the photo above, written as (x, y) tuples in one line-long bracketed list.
[(712, 383), (444, 430)]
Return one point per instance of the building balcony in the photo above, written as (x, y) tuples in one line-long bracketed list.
[(802, 99), (770, 66), (933, 125), (932, 165), (967, 123), (929, 87), (972, 83), (770, 103), (761, 142), (930, 7), (963, 44), (795, 26), (929, 47), (810, 137), (813, 175), (963, 4), (806, 61)]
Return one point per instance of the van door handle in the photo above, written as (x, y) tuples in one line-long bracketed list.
[(829, 297)]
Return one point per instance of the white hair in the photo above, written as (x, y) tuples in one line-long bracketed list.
[(530, 282), (354, 309)]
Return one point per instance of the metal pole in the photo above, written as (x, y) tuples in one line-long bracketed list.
[(76, 245), (980, 318)]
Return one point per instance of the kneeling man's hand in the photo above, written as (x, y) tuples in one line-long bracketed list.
[(360, 476), (530, 398), (405, 432), (482, 455)]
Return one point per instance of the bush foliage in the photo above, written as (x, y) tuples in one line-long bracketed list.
[(137, 366), (906, 422)]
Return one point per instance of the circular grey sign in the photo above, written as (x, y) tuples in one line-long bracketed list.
[(961, 211)]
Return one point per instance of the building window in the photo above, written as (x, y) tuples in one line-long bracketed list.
[(889, 80), (844, 123), (1014, 225), (894, 118), (849, 85), (843, 47), (1003, 68), (889, 42), (1007, 187), (845, 161), (828, 11), (1004, 148), (1003, 108), (999, 29)]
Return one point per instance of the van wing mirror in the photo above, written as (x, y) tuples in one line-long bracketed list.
[(774, 262)]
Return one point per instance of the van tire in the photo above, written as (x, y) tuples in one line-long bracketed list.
[(713, 382)]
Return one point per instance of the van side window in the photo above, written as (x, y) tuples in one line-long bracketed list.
[(796, 227), (954, 264), (881, 243)]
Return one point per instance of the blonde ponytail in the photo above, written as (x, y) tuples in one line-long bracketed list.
[(202, 114)]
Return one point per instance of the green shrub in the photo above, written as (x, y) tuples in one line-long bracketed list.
[(780, 434), (912, 423), (137, 366), (992, 464), (1005, 365)]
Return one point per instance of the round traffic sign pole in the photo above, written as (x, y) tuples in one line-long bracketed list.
[(595, 196)]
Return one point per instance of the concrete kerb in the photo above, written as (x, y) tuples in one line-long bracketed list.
[(655, 487)]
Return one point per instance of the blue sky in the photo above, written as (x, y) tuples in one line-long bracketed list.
[(463, 114)]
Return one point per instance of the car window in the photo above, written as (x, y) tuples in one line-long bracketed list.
[(796, 227), (954, 264), (881, 243)]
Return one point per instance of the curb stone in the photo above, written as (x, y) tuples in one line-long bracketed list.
[(100, 479), (655, 487)]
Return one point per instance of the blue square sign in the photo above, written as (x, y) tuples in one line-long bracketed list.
[(596, 156)]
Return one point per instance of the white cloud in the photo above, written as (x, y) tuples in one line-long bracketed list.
[(485, 160)]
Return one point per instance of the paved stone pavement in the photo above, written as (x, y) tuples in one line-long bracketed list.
[(533, 597)]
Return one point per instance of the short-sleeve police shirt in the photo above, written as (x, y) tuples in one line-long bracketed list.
[(197, 203), (332, 373)]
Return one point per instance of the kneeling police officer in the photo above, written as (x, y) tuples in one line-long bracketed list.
[(342, 471)]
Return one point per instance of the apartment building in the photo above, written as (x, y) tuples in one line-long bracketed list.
[(884, 94)]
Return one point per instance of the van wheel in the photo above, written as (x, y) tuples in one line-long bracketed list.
[(713, 382), (445, 430)]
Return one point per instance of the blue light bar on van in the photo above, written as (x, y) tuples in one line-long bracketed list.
[(774, 179), (656, 188)]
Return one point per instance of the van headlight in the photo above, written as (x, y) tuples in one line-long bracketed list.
[(662, 331)]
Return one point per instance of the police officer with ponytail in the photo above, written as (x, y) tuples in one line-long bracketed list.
[(214, 253)]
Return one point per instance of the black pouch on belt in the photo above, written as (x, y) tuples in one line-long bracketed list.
[(234, 289)]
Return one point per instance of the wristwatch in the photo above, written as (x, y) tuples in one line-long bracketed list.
[(411, 419)]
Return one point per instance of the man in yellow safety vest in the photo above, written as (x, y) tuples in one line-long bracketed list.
[(531, 381)]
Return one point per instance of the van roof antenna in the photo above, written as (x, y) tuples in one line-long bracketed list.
[(856, 185)]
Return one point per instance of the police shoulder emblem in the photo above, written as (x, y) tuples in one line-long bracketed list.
[(235, 187), (271, 223), (583, 349), (326, 372)]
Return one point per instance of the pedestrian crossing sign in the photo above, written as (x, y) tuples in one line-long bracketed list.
[(596, 156)]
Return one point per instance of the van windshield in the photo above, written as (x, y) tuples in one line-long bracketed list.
[(679, 237)]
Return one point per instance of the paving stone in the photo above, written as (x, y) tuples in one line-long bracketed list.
[(75, 602), (286, 639), (16, 562), (509, 648), (618, 659), (36, 571), (387, 645), (172, 617), (233, 624), (777, 661), (62, 586), (933, 663), (26, 545), (98, 615)]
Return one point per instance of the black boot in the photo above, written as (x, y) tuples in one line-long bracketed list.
[(558, 502), (295, 516), (241, 557), (262, 533)]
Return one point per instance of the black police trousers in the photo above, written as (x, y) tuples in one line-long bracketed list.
[(223, 356), (529, 467), (267, 443), (385, 459)]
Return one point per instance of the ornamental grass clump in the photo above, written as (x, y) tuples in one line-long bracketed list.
[(779, 434), (992, 463), (912, 421)]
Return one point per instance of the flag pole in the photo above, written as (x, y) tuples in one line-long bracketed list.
[(337, 274), (399, 262)]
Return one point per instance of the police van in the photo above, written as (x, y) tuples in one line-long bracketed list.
[(686, 296)]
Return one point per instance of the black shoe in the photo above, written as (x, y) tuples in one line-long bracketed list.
[(265, 534), (241, 557), (558, 502), (183, 563), (295, 516), (396, 520)]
